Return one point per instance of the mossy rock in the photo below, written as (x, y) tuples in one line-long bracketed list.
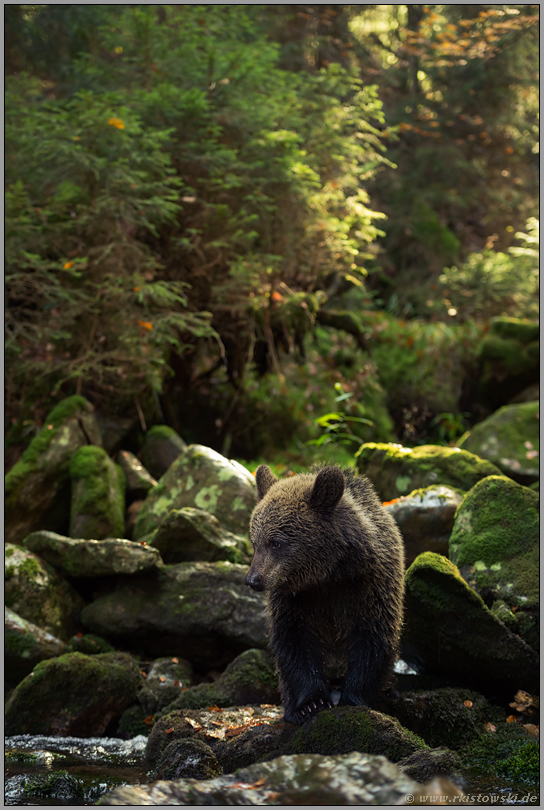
[(524, 331), (356, 728), (35, 591), (73, 695), (161, 447), (82, 559), (98, 495), (449, 631), (25, 645), (508, 752), (203, 609), (495, 542), (192, 534), (37, 493), (395, 470), (166, 679), (204, 479), (509, 356), (187, 759), (250, 678), (510, 439), (61, 786), (449, 716), (89, 644)]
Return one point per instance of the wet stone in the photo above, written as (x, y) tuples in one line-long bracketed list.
[(139, 480), (192, 534), (25, 645)]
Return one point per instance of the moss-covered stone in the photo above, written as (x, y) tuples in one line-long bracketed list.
[(133, 722), (395, 470), (139, 480), (192, 534), (509, 357), (495, 543), (356, 728), (510, 439), (449, 716), (98, 495), (449, 630), (82, 559), (509, 752), (187, 759), (203, 609), (524, 331), (59, 785), (250, 678), (74, 694), (206, 480), (161, 447), (38, 594), (166, 679), (37, 487), (25, 645)]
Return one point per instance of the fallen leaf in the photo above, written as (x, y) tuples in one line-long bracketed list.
[(143, 674), (194, 724), (468, 703), (235, 730), (149, 719), (533, 730), (259, 782), (511, 718), (169, 731), (175, 660), (162, 679), (214, 709), (490, 727), (241, 786)]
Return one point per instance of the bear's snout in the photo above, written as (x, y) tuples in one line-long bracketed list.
[(254, 580)]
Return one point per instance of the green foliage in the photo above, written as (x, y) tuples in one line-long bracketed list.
[(494, 283)]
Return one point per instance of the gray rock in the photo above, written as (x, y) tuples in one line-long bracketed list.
[(425, 519), (37, 494), (74, 694), (192, 534), (306, 779), (201, 611), (165, 680), (495, 542), (449, 631), (97, 507), (161, 447), (204, 479), (38, 594), (139, 480), (92, 558), (114, 429), (510, 439), (25, 645)]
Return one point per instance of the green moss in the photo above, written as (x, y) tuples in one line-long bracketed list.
[(87, 462), (161, 432), (41, 442), (98, 495), (57, 785), (523, 330), (355, 728), (498, 521), (508, 752), (21, 645)]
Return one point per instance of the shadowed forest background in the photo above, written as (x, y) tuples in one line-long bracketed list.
[(280, 229)]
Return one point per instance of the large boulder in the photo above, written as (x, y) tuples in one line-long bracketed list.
[(449, 631), (25, 645), (92, 558), (161, 447), (192, 534), (75, 694), (200, 611), (37, 494), (38, 594), (510, 439), (425, 519), (396, 470), (98, 495), (306, 779), (495, 543), (204, 479)]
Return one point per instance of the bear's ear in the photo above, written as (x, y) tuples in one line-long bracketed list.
[(327, 490), (264, 478)]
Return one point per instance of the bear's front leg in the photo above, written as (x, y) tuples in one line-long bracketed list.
[(300, 662), (369, 663)]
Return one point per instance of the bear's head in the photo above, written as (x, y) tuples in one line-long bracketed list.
[(293, 530)]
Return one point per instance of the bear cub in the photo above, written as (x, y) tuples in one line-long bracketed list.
[(332, 563)]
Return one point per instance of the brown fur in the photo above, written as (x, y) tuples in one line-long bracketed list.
[(332, 563)]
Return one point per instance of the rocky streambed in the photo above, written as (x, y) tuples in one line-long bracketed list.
[(136, 662)]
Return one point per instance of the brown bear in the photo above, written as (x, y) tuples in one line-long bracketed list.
[(332, 563)]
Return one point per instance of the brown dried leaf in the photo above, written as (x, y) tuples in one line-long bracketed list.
[(490, 727), (235, 730), (468, 703), (162, 679), (214, 709), (511, 718), (194, 724), (175, 660), (168, 730), (149, 719), (259, 782), (533, 730)]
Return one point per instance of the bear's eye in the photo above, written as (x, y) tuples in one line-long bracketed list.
[(275, 544)]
